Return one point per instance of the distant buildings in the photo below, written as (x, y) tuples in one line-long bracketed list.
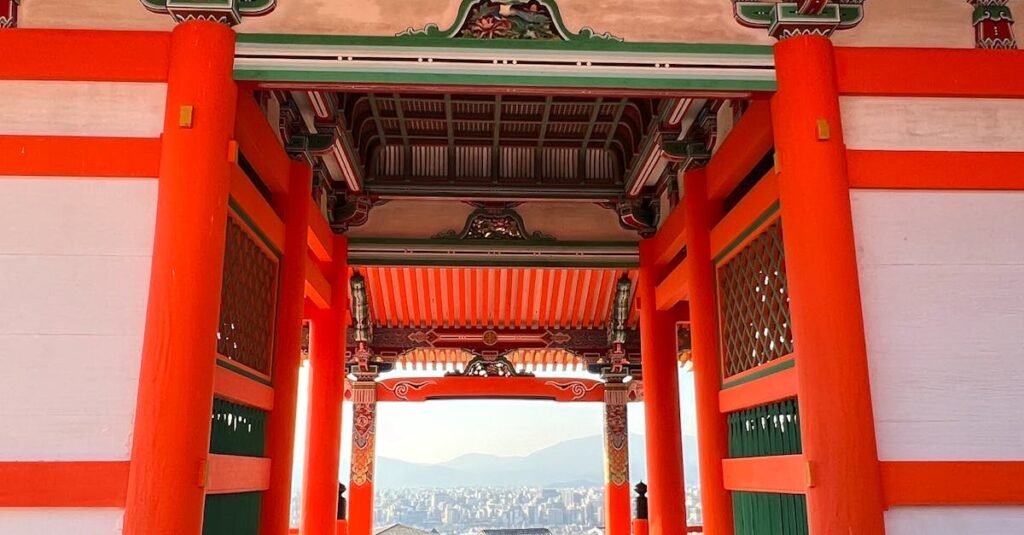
[(524, 531)]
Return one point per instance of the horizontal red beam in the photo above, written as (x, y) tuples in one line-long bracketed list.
[(773, 387), (240, 389), (674, 288), (953, 482), (462, 387), (320, 237), (318, 290), (260, 145), (229, 474), (83, 55), (745, 145), (256, 207), (935, 170), (63, 484), (63, 156), (930, 72), (670, 239), (786, 474)]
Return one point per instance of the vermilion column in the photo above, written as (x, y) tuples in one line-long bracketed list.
[(712, 429), (280, 445), (172, 421), (836, 422), (364, 437), (659, 346), (326, 394), (616, 459)]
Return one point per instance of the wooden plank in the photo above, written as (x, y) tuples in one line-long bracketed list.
[(785, 474), (773, 387), (259, 145), (914, 72), (935, 170), (747, 143), (230, 474), (318, 290), (674, 287), (953, 483), (320, 236), (671, 237), (81, 55), (64, 484), (745, 214), (240, 389), (87, 157), (256, 208)]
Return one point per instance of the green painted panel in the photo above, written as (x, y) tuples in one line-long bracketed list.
[(766, 430), (760, 513), (237, 429), (232, 514)]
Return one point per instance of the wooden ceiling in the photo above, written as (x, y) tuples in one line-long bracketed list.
[(493, 298)]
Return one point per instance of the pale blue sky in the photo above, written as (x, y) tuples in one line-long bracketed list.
[(437, 431)]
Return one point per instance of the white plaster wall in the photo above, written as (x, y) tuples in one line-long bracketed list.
[(53, 521), (74, 280), (942, 284), (954, 521), (933, 124), (101, 109)]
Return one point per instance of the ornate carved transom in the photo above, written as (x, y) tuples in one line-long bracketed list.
[(508, 19), (494, 221), (490, 366)]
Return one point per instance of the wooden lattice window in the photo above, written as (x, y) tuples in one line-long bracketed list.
[(248, 300), (766, 430), (754, 304)]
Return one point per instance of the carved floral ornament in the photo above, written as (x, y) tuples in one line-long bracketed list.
[(228, 12), (494, 221), (508, 19), (799, 17)]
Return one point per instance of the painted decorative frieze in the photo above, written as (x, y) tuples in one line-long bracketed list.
[(364, 432), (801, 17), (616, 433), (490, 366), (508, 19), (228, 12), (993, 24), (9, 13), (494, 221)]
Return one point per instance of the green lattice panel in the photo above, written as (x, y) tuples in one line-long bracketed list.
[(248, 300), (772, 429), (760, 513), (237, 429), (232, 514), (754, 304)]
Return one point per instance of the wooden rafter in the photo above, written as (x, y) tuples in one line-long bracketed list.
[(585, 144)]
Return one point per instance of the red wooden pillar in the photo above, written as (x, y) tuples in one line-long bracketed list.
[(712, 429), (364, 438), (171, 440), (836, 422), (659, 348), (326, 395), (294, 209), (616, 459)]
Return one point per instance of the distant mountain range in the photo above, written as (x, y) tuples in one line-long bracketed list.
[(577, 462)]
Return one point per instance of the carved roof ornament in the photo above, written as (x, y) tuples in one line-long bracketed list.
[(490, 366), (494, 221), (508, 19), (9, 13), (228, 12), (799, 17), (993, 24)]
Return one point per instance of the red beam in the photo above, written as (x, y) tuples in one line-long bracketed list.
[(259, 211), (670, 239), (774, 387), (82, 55), (229, 474), (91, 157), (320, 235), (318, 290), (260, 145), (747, 143), (953, 482), (786, 474), (63, 484), (674, 288), (461, 387), (752, 206), (935, 170), (240, 389), (926, 72)]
